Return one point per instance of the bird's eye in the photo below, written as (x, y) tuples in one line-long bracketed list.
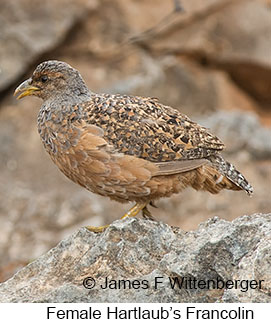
[(44, 78)]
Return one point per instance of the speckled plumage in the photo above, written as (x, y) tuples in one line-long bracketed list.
[(129, 148), (145, 128)]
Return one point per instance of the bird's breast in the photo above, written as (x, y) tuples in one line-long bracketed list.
[(57, 133)]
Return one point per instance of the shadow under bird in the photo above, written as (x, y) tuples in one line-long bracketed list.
[(129, 148)]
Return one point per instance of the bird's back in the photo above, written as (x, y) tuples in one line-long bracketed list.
[(145, 128)]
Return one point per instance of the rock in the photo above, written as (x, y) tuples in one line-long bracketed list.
[(231, 35), (31, 28), (139, 251), (240, 131)]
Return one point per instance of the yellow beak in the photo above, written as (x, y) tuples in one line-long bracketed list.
[(25, 89)]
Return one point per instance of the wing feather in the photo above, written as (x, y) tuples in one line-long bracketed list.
[(179, 166)]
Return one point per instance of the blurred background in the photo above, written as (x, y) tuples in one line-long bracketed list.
[(211, 59)]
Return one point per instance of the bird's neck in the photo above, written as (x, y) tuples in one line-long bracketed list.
[(61, 107), (68, 98)]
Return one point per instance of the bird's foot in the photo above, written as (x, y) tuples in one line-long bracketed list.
[(131, 213), (97, 229)]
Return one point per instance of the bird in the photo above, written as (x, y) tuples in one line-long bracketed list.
[(127, 148)]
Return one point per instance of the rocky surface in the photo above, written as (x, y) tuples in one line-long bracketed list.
[(211, 61), (140, 251)]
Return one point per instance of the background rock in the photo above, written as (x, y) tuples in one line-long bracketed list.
[(140, 250), (30, 29), (211, 61), (231, 35), (246, 128)]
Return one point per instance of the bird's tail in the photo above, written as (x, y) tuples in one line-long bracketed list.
[(229, 177)]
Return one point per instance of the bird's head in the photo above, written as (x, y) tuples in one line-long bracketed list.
[(53, 79)]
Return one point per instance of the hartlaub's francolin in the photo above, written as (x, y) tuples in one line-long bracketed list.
[(128, 148)]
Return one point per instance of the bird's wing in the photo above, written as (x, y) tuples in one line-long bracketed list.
[(144, 128), (179, 166)]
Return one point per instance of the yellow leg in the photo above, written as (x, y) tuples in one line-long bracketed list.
[(134, 210), (131, 213)]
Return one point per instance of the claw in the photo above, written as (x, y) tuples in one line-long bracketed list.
[(147, 214), (97, 229), (131, 213)]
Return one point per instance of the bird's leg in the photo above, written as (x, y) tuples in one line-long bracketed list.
[(135, 210), (147, 214), (132, 212)]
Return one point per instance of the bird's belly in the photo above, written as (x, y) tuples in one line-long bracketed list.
[(126, 178), (121, 179)]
